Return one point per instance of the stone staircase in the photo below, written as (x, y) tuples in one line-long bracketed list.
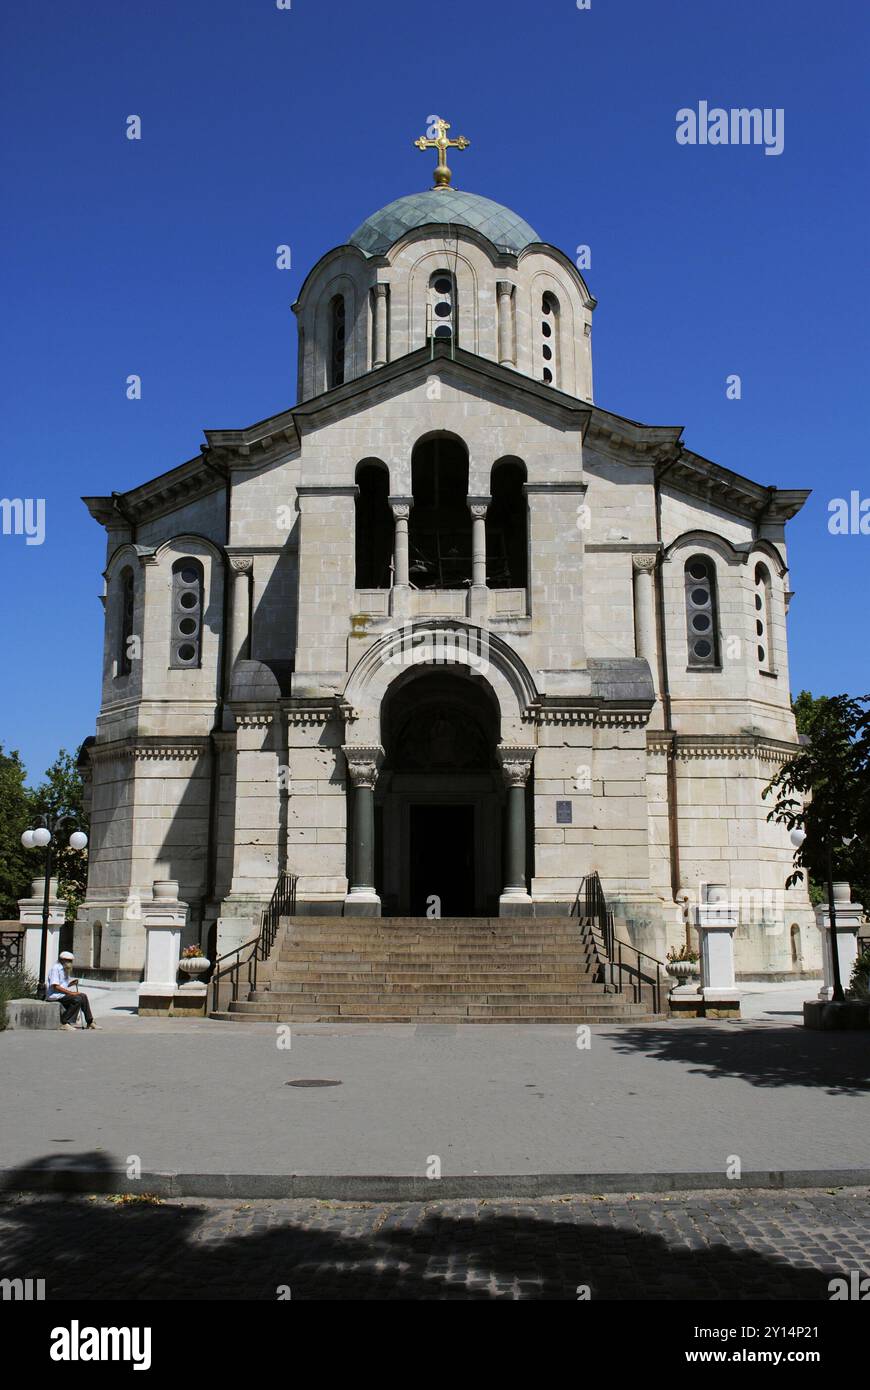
[(449, 970)]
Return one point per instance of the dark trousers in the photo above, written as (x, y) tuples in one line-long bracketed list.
[(72, 1005)]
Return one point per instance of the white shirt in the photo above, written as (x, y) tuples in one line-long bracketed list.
[(57, 975)]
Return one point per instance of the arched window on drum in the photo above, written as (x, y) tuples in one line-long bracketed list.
[(702, 613), (335, 367), (548, 340), (185, 647), (441, 307), (763, 625), (127, 604)]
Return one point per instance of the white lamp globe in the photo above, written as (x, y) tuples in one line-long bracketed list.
[(27, 839), (78, 840), (41, 837), (797, 837)]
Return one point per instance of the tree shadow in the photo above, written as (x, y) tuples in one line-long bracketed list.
[(763, 1055), (87, 1248)]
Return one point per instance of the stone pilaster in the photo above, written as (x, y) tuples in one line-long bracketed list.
[(380, 348), (241, 568), (504, 291), (644, 567)]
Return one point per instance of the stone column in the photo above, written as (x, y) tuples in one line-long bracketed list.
[(478, 598), (401, 507), (241, 567), (30, 916), (849, 916), (516, 762), (379, 347), (717, 920), (645, 645), (504, 291), (363, 763), (164, 921)]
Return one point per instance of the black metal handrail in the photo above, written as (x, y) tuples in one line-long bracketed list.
[(612, 964), (281, 904)]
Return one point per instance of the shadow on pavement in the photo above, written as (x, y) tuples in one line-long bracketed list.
[(88, 1248), (766, 1055)]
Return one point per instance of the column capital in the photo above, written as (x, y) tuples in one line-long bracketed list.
[(504, 287), (644, 561), (516, 762), (363, 763), (478, 506), (401, 507), (241, 564), (381, 289)]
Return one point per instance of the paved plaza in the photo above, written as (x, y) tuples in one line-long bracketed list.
[(701, 1246), (208, 1109)]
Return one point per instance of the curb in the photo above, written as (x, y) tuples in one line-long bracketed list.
[(387, 1188)]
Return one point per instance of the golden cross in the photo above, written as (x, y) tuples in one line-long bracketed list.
[(442, 145)]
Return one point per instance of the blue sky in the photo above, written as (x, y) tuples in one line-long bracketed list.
[(264, 126)]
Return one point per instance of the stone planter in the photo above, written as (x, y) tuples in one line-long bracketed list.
[(683, 970), (194, 966)]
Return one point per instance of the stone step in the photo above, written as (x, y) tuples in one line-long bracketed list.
[(285, 1016), (456, 940), (299, 982), (377, 1004), (455, 988), (427, 953), (417, 923)]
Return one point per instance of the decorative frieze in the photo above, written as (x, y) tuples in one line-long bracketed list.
[(164, 749), (702, 746), (585, 715), (254, 719)]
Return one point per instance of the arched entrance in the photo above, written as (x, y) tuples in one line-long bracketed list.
[(439, 797)]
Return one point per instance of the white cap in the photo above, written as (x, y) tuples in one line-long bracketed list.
[(66, 955)]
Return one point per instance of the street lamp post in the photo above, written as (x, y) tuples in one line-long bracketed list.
[(797, 838), (41, 838)]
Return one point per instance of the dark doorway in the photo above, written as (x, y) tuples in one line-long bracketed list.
[(442, 859)]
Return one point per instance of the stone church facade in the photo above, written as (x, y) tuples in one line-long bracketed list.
[(446, 635)]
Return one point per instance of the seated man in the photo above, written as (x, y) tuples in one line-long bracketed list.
[(64, 990)]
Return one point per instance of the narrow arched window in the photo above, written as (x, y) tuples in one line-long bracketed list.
[(185, 647), (439, 528), (507, 528), (374, 527), (337, 341), (702, 616), (127, 602), (441, 307), (548, 345), (763, 625)]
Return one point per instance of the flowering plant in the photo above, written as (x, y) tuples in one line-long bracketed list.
[(192, 951), (684, 953)]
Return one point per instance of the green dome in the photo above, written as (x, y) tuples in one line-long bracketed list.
[(505, 229)]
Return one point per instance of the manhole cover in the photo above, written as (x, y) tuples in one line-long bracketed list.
[(314, 1082)]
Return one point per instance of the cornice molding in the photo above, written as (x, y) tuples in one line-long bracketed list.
[(688, 747)]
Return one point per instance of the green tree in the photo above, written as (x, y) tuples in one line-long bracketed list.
[(16, 864), (62, 790), (825, 790)]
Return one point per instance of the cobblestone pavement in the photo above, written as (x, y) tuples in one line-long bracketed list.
[(695, 1246)]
